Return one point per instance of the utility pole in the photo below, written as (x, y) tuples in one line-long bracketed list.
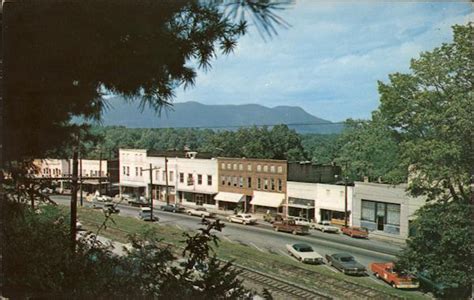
[(166, 181), (150, 189), (345, 196), (74, 201), (100, 171), (80, 178)]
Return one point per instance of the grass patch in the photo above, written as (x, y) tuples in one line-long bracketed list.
[(267, 262)]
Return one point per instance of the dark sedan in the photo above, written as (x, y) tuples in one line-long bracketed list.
[(346, 263), (172, 208)]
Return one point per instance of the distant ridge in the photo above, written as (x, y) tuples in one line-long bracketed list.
[(195, 114)]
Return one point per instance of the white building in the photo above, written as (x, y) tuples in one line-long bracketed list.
[(386, 210), (319, 201), (52, 167), (196, 181), (131, 165)]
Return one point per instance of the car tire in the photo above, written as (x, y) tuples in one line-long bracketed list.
[(174, 210), (393, 285), (294, 232), (377, 275), (189, 213)]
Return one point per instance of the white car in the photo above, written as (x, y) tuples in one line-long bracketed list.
[(103, 198), (325, 226), (242, 218), (199, 211), (304, 253), (300, 221)]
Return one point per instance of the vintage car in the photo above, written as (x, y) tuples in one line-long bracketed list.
[(430, 283), (300, 221), (325, 226), (146, 215), (304, 253), (272, 217), (242, 218), (388, 273), (102, 198), (290, 226), (345, 263), (355, 232), (172, 208), (200, 211)]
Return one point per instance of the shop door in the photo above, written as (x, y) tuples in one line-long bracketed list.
[(199, 199), (380, 221)]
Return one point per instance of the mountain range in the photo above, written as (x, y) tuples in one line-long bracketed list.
[(195, 114)]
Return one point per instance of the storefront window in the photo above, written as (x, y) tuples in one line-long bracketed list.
[(272, 184), (393, 214), (259, 183), (368, 211)]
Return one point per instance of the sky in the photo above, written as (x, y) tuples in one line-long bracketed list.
[(330, 59)]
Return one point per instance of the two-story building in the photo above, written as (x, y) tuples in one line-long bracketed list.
[(257, 185), (132, 163)]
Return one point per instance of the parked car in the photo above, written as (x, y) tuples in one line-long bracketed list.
[(304, 253), (103, 198), (325, 226), (271, 218), (290, 226), (140, 201), (387, 272), (172, 208), (78, 225), (442, 290), (242, 218), (300, 221), (200, 211), (110, 207), (145, 215), (345, 263), (355, 232)]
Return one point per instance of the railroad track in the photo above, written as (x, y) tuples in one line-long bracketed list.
[(279, 288)]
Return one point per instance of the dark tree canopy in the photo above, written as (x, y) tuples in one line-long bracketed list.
[(61, 56)]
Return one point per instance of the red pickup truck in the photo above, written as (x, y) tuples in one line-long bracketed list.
[(290, 226), (386, 272)]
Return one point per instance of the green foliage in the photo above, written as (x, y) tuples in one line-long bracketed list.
[(39, 262), (322, 148), (370, 149), (442, 243), (279, 142), (431, 110)]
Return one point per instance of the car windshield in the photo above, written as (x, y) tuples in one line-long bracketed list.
[(347, 258), (306, 249), (201, 209), (247, 216)]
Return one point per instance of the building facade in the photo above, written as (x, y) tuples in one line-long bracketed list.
[(132, 162), (256, 185), (385, 210)]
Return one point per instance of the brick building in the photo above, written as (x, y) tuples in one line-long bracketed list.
[(256, 185)]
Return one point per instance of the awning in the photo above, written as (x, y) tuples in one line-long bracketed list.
[(94, 182), (229, 197), (130, 184), (300, 206), (267, 199)]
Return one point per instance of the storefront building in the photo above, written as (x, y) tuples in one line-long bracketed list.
[(132, 163), (385, 210), (301, 199), (251, 185)]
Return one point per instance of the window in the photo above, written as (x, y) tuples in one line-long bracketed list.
[(280, 169), (393, 214), (235, 166), (368, 211), (259, 183), (141, 171), (222, 180), (199, 179), (229, 179), (209, 179), (259, 168), (234, 181), (249, 182), (241, 181), (265, 168), (222, 166), (190, 179), (171, 176), (272, 169), (181, 177), (265, 184), (272, 184), (164, 175), (249, 167), (241, 167), (280, 185), (229, 166), (157, 175), (136, 171), (128, 171), (124, 170)]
